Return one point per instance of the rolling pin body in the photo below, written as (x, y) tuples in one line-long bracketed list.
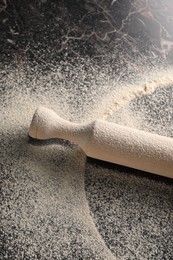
[(109, 142)]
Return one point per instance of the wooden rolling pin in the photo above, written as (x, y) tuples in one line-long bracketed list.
[(109, 142)]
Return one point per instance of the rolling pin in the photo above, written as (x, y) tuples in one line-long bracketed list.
[(108, 142)]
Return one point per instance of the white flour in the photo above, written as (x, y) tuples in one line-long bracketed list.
[(43, 186)]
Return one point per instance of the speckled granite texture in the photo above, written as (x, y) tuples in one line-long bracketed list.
[(86, 60)]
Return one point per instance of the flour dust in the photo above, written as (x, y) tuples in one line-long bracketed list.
[(44, 200)]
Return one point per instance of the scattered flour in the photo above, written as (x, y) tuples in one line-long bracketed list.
[(124, 93), (43, 192)]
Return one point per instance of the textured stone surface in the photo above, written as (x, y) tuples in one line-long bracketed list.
[(85, 60)]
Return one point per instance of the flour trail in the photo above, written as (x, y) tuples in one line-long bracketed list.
[(124, 93)]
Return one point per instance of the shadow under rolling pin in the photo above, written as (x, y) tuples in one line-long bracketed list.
[(108, 142)]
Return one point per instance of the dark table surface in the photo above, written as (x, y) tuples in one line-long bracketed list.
[(84, 59)]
